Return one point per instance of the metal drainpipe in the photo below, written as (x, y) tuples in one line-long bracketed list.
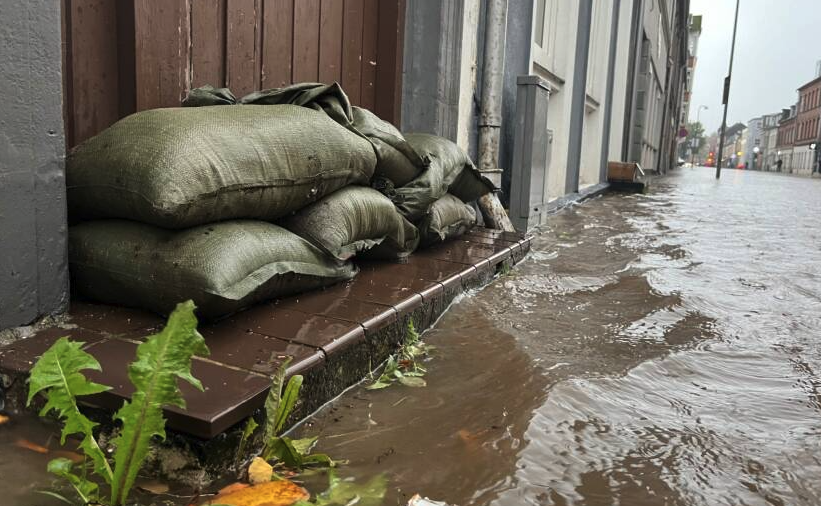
[(490, 117)]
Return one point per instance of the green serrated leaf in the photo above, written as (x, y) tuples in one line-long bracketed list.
[(161, 361), (378, 385), (283, 450), (250, 426), (287, 402), (318, 459), (87, 490), (272, 402), (412, 381), (304, 446), (57, 373)]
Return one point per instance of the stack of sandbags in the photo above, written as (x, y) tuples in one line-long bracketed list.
[(260, 198), (152, 193)]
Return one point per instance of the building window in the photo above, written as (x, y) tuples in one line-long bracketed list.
[(540, 8)]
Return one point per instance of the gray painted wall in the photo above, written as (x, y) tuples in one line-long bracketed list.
[(430, 83), (517, 63), (33, 267)]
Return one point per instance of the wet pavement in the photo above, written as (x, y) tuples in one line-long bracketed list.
[(656, 349)]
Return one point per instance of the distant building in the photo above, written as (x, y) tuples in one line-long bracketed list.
[(769, 137), (752, 147), (785, 140), (732, 145), (807, 127)]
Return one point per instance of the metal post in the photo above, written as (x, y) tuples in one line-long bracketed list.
[(698, 120), (726, 96)]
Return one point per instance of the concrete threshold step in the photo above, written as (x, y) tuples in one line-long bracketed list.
[(333, 336)]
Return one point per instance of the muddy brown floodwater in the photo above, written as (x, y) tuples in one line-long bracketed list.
[(656, 349)]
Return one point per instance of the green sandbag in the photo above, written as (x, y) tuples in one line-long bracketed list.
[(396, 160), (447, 218), (450, 171), (223, 267), (183, 167), (353, 220)]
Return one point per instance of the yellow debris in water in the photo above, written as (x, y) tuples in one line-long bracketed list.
[(271, 493), (259, 471)]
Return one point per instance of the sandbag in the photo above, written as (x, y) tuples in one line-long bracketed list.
[(352, 220), (450, 171), (396, 160), (223, 267), (447, 218), (182, 167)]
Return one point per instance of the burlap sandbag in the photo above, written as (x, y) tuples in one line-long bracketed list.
[(447, 218), (223, 267), (182, 167), (352, 220), (396, 160), (450, 171)]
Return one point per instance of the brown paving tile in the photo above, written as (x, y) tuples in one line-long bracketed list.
[(336, 303), (113, 319), (229, 395), (21, 355), (509, 241), (385, 286), (256, 352), (458, 251), (486, 232), (318, 331), (430, 269), (480, 239)]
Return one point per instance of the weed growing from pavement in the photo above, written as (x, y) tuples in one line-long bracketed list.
[(404, 367)]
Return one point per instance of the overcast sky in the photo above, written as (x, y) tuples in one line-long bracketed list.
[(777, 45)]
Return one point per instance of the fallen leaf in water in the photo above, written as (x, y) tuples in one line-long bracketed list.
[(4, 419), (259, 471), (272, 493), (28, 445), (153, 486), (72, 456), (228, 489)]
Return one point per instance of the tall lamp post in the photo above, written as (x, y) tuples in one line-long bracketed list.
[(726, 97), (693, 140)]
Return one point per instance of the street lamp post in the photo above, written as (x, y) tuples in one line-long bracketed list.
[(692, 142), (726, 96)]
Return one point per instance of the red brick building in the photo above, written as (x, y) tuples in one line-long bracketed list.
[(807, 126)]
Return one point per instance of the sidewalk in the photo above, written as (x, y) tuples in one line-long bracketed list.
[(334, 337)]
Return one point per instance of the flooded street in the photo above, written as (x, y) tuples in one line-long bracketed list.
[(656, 349)]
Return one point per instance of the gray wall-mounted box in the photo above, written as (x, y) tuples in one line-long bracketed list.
[(531, 153)]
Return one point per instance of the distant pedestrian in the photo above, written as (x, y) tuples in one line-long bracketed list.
[(778, 165)]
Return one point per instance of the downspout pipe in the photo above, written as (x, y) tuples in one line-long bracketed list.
[(490, 115)]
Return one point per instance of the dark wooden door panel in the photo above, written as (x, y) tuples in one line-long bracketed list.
[(122, 56)]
